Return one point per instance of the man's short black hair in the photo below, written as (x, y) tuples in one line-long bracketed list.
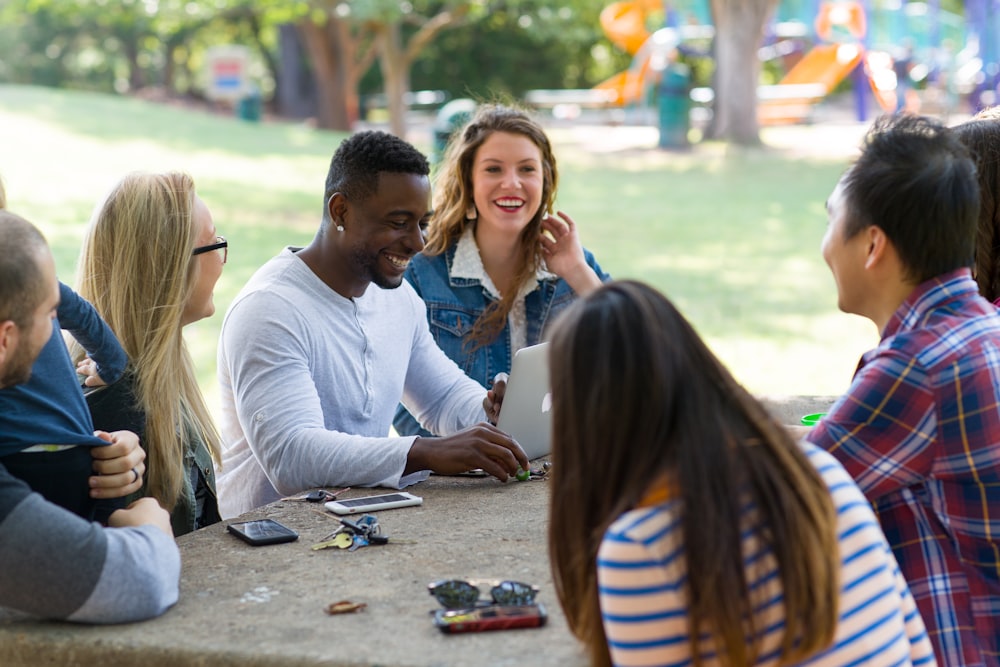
[(358, 161), (917, 182)]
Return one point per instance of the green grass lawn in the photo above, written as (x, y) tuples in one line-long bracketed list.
[(731, 236)]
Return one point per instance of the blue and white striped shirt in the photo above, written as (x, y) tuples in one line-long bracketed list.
[(642, 577)]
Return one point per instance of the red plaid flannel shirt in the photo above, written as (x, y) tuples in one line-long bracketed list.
[(919, 430)]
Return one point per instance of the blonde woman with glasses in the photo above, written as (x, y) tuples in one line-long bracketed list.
[(150, 261)]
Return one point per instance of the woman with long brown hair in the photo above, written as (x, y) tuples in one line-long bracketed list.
[(687, 527), (981, 135), (499, 264)]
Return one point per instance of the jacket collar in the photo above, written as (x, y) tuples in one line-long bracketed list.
[(467, 268)]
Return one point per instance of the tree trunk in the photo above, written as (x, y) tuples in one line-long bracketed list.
[(168, 79), (265, 53), (350, 71), (395, 58), (136, 80), (329, 68), (295, 92), (739, 29), (395, 75)]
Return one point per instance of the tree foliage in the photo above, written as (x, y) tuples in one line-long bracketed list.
[(469, 48), (486, 49), (120, 45), (518, 48)]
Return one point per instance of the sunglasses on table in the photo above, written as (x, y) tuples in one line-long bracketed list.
[(459, 594)]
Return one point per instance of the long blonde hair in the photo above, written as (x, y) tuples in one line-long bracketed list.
[(453, 198), (136, 267)]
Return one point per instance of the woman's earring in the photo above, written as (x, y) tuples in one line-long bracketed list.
[(471, 213)]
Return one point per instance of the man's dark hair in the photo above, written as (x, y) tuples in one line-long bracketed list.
[(22, 287), (917, 182), (358, 161)]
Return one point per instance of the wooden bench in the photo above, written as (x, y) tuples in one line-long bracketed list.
[(414, 99), (776, 104), (568, 103)]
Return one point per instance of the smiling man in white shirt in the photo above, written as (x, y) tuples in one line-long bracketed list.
[(322, 343)]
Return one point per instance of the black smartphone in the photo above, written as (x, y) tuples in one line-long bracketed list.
[(492, 617), (262, 531)]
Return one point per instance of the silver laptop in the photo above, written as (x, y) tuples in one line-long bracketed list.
[(525, 412)]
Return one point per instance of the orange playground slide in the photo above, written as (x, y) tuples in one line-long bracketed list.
[(842, 25), (820, 70), (825, 64), (625, 25), (811, 79)]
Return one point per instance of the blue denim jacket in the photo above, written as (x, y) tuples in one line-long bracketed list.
[(454, 305)]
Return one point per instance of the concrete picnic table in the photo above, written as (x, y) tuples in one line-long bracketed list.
[(245, 606)]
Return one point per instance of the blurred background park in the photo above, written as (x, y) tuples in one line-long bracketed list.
[(677, 172)]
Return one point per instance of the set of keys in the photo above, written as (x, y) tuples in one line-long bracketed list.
[(352, 535)]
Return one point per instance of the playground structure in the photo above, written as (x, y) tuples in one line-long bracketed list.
[(841, 28), (831, 41), (624, 23)]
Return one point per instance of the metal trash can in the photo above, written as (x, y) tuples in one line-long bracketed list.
[(248, 106), (450, 117), (675, 106)]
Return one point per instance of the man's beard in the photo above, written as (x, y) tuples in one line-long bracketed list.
[(366, 264), (18, 369)]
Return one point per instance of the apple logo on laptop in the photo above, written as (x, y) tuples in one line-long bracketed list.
[(547, 402)]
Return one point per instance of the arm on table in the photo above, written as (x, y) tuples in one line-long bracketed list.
[(280, 409), (481, 446), (469, 442), (54, 564)]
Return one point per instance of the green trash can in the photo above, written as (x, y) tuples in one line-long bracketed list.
[(248, 106), (450, 118), (675, 106)]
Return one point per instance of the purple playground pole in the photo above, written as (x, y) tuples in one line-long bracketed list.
[(934, 31), (859, 78), (934, 40), (991, 56), (975, 16)]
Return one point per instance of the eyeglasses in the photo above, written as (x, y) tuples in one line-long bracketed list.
[(220, 244), (457, 594)]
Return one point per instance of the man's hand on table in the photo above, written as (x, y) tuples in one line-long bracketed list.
[(480, 446)]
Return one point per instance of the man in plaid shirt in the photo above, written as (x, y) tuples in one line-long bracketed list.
[(919, 428)]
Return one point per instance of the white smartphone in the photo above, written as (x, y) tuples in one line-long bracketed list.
[(374, 503)]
